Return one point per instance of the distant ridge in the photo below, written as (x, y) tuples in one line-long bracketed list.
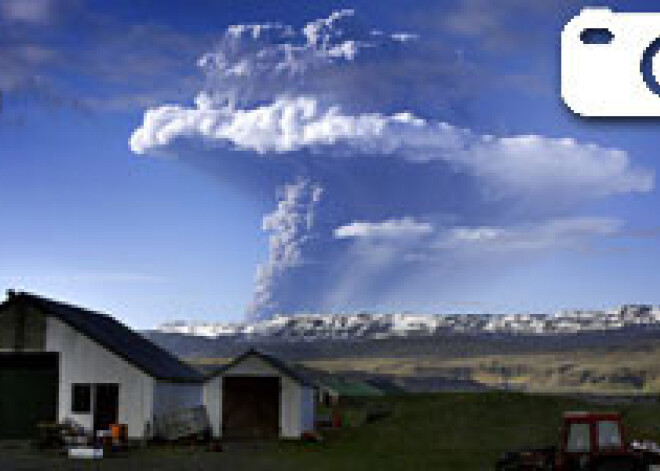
[(374, 326)]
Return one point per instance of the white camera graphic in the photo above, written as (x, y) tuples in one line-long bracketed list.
[(609, 66)]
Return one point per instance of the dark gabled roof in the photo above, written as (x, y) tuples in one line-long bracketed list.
[(115, 337), (289, 370)]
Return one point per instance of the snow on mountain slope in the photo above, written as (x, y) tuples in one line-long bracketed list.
[(363, 325)]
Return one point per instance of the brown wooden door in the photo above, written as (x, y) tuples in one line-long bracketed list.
[(250, 407)]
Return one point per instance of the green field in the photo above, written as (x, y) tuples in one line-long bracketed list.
[(452, 431), (444, 431)]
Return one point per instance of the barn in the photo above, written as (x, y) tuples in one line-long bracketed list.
[(259, 396), (59, 361)]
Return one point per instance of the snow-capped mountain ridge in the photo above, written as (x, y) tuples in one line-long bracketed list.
[(332, 326)]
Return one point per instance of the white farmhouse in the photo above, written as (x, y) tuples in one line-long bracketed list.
[(59, 361)]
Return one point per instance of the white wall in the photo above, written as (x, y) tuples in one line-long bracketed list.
[(84, 361), (213, 403), (296, 402), (290, 408), (308, 407)]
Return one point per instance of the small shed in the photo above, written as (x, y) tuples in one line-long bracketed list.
[(59, 361), (259, 396), (332, 388)]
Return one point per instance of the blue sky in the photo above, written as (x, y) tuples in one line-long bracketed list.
[(353, 174)]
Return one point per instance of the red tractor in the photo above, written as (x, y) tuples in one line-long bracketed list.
[(589, 441)]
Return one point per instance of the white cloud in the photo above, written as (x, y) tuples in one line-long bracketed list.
[(475, 234), (404, 37), (423, 237), (554, 233), (322, 31), (451, 254), (388, 244), (256, 103), (391, 229), (256, 31), (253, 62), (28, 11), (529, 164)]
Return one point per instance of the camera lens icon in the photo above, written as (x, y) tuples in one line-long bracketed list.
[(610, 65), (648, 67)]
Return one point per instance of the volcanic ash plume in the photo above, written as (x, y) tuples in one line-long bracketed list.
[(291, 226), (384, 194)]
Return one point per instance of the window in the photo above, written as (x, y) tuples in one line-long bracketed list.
[(609, 435), (81, 399), (578, 439)]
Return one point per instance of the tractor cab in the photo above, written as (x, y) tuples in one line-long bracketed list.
[(593, 440), (589, 441)]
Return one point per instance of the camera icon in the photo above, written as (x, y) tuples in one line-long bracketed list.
[(608, 64)]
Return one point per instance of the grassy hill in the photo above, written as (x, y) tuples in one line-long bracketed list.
[(451, 431), (630, 370), (581, 371), (619, 362)]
